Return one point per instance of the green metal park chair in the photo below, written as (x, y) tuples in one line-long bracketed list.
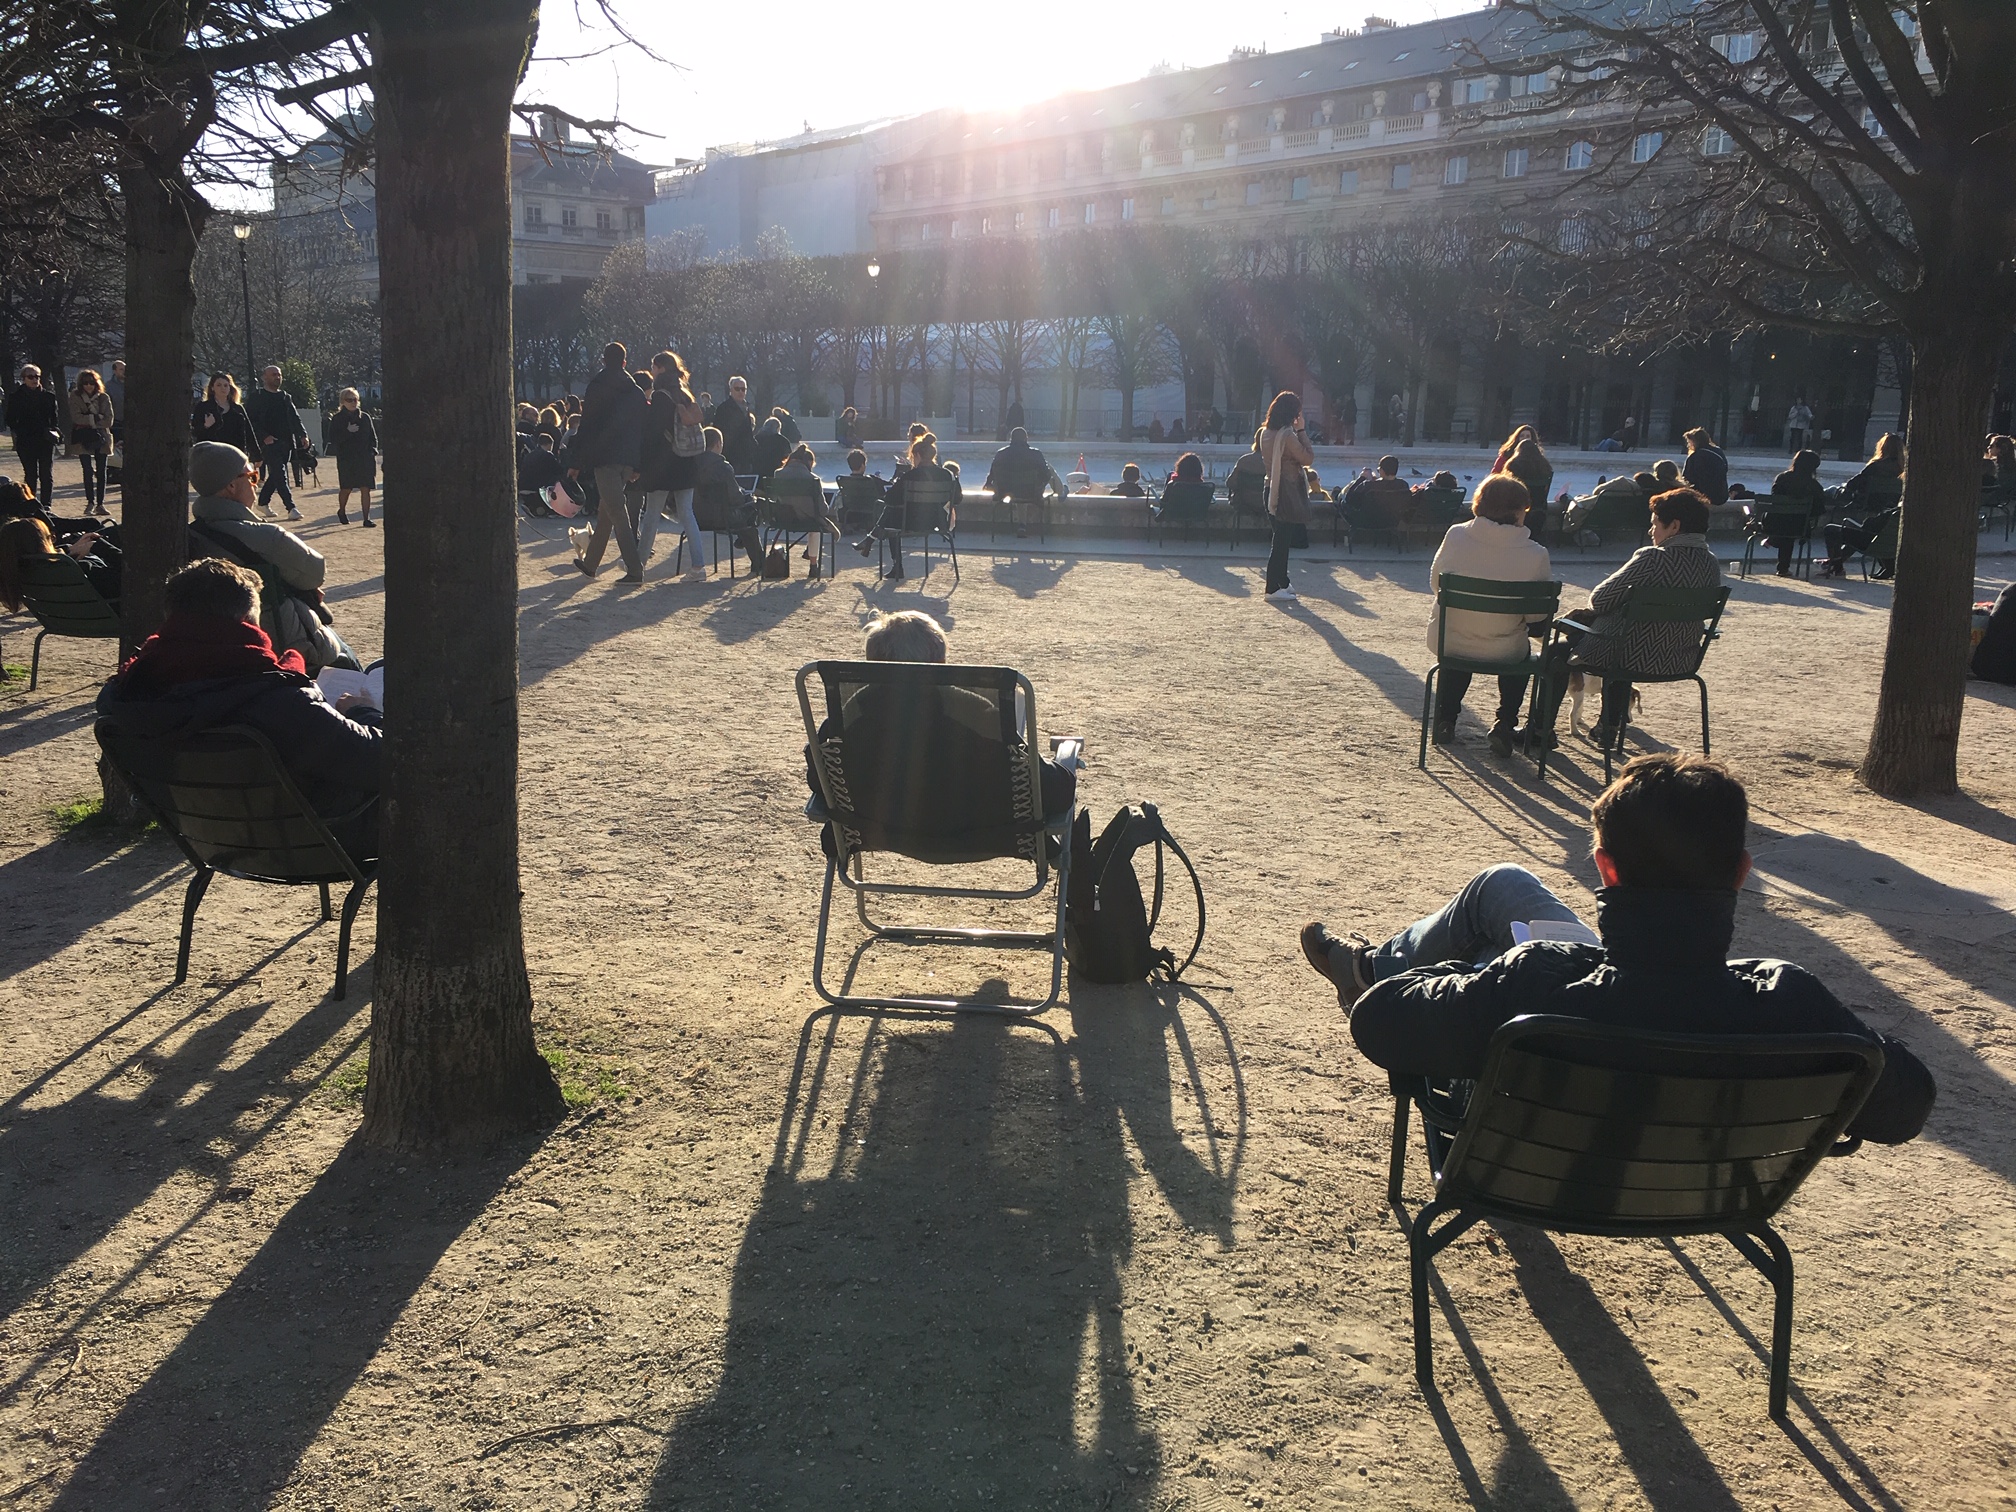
[(64, 603), (793, 509), (1647, 606), (1529, 601), (1577, 1127)]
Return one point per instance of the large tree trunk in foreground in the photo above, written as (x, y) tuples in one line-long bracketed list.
[(164, 219), (1915, 744), (452, 1057)]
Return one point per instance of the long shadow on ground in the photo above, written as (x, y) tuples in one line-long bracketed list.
[(926, 1308)]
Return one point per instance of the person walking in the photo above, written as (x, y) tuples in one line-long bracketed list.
[(1798, 421), (676, 438), (738, 427), (34, 418), (277, 425), (609, 444), (91, 436), (355, 440), (220, 417), (1286, 449)]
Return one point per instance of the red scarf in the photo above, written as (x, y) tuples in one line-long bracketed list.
[(195, 648)]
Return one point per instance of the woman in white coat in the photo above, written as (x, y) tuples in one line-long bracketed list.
[(1492, 543)]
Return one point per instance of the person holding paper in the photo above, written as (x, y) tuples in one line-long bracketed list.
[(210, 664), (1670, 853)]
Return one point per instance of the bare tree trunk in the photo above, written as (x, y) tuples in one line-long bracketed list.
[(452, 1056), (164, 219), (1914, 747)]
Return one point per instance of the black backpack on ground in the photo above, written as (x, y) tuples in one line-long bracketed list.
[(1108, 929)]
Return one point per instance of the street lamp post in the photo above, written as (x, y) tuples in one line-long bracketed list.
[(243, 232)]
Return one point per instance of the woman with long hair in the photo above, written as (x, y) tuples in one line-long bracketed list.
[(220, 416), (1519, 434), (91, 436), (677, 415), (355, 441), (24, 540), (1284, 445)]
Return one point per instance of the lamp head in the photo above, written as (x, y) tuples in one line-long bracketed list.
[(241, 231), (874, 268)]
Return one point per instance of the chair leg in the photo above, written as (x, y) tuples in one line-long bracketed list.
[(1396, 1169), (1427, 713), (326, 915), (1422, 1248), (198, 885), (1774, 1262), (1700, 683), (350, 903), (35, 663)]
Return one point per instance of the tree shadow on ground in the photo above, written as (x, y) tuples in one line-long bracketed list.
[(927, 1305), (227, 1416), (61, 891), (27, 724), (75, 1170)]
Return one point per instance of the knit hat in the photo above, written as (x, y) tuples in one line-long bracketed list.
[(214, 465)]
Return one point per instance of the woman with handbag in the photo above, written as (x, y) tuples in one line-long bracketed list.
[(1286, 449), (91, 436), (675, 466)]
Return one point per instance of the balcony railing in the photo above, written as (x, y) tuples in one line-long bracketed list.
[(1296, 139), (1403, 125)]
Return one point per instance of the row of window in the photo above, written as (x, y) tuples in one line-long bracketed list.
[(535, 218)]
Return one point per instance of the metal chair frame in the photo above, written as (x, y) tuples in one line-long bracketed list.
[(1189, 520), (359, 874), (65, 604), (941, 524), (1511, 1128), (1488, 596), (795, 514), (1643, 605), (1791, 521), (1058, 831), (1029, 490)]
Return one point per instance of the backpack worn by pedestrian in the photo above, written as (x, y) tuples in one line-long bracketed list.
[(1108, 929)]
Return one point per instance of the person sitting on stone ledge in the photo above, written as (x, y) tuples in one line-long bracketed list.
[(1670, 837), (210, 664)]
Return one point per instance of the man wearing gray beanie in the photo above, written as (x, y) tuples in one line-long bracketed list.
[(227, 486)]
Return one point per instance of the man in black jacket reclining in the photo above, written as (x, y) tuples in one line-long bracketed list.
[(1670, 852)]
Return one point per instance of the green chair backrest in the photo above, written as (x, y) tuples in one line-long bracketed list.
[(60, 596), (1246, 488), (1185, 502), (1884, 547), (1439, 506), (793, 500), (1648, 605), (1579, 1126), (925, 501), (859, 491), (1614, 512), (1529, 600), (1792, 518)]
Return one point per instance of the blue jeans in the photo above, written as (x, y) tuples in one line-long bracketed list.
[(1475, 925), (276, 459), (1608, 444)]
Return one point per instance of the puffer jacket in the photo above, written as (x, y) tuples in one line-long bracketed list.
[(1662, 965), (1655, 650), (1481, 548)]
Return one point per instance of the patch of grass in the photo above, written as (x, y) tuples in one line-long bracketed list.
[(584, 1081), (10, 673), (81, 814), (346, 1087)]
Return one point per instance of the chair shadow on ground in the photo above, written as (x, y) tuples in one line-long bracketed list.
[(927, 1305), (1028, 574)]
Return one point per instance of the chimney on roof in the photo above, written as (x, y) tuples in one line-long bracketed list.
[(553, 129), (1378, 23)]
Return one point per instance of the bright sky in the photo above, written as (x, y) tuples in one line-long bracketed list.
[(753, 72)]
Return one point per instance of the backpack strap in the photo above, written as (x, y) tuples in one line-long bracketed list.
[(1163, 837)]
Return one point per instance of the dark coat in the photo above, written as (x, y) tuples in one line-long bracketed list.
[(1662, 965), (1019, 472), (354, 440), (771, 449), (228, 424), (612, 422), (273, 414), (35, 416), (1994, 659), (655, 472), (738, 435), (1706, 471), (1537, 473), (1883, 476), (337, 760)]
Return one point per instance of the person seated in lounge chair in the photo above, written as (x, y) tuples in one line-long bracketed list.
[(1670, 835), (210, 664), (913, 636)]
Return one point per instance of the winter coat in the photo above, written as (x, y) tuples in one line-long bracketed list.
[(336, 759), (1882, 476), (1481, 548), (33, 415), (1706, 471), (770, 451), (1018, 471), (1662, 965), (1537, 473), (738, 435), (299, 564), (612, 422), (228, 424), (1654, 649), (92, 412), (273, 414), (293, 624), (1285, 450)]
